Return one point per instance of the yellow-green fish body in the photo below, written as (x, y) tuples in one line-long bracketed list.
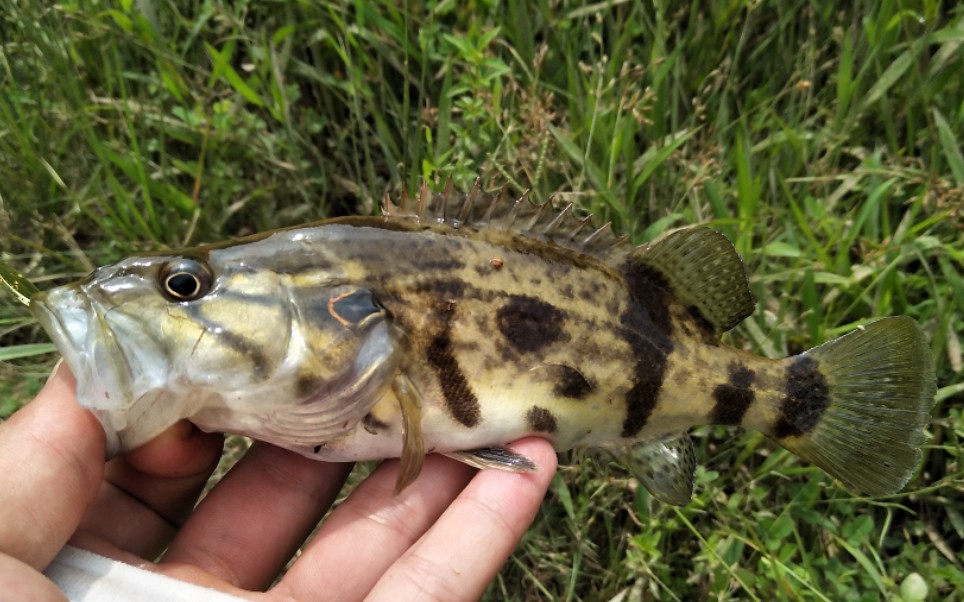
[(458, 323)]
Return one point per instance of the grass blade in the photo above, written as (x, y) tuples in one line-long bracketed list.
[(950, 146), (16, 352), (894, 72)]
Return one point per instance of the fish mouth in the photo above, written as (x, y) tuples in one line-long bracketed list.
[(79, 333), (68, 340)]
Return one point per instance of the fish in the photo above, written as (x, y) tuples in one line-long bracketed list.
[(459, 321)]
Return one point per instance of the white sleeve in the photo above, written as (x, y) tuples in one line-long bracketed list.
[(87, 577)]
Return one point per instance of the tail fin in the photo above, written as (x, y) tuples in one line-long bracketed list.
[(857, 406)]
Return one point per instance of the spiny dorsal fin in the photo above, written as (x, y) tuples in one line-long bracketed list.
[(478, 207), (705, 273)]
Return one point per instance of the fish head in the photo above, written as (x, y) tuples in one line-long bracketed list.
[(234, 347)]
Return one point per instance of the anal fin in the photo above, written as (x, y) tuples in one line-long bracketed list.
[(666, 468), (499, 458)]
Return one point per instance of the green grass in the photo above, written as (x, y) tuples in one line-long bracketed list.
[(825, 142)]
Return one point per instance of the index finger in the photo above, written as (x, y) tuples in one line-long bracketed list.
[(461, 554), (51, 465)]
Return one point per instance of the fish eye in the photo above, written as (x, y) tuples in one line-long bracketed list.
[(185, 280)]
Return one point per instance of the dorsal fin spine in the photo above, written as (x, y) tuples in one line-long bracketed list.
[(578, 227), (595, 234), (537, 215), (470, 199), (424, 195), (559, 218), (517, 207), (495, 200), (498, 211), (388, 208)]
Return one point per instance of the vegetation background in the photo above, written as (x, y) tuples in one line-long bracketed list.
[(824, 140)]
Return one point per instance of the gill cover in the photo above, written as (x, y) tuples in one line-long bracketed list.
[(342, 355)]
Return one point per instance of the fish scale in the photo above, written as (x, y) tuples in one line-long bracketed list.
[(457, 323)]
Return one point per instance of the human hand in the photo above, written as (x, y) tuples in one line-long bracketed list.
[(443, 538)]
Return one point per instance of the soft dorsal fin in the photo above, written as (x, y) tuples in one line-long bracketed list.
[(500, 210), (704, 271)]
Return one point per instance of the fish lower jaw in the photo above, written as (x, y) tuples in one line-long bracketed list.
[(144, 418), (66, 344)]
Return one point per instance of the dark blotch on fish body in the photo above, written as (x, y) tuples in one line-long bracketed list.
[(650, 348), (706, 328), (529, 324), (652, 291), (733, 398), (541, 420), (571, 383), (741, 376), (441, 288), (808, 395), (460, 401), (441, 265)]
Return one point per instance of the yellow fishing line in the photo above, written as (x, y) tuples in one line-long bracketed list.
[(17, 284)]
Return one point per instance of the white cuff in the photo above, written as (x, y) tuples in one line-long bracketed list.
[(87, 577)]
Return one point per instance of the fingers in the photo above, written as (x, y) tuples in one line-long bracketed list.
[(371, 529), (460, 555), (149, 492), (19, 581), (422, 543), (51, 461), (51, 466), (181, 451), (403, 547), (248, 527)]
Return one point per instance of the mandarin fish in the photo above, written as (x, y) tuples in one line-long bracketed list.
[(455, 323)]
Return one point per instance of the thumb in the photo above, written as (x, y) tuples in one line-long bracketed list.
[(51, 466)]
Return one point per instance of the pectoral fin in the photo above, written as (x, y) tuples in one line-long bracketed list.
[(666, 468), (413, 444), (499, 458)]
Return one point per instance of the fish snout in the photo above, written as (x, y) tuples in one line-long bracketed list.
[(65, 314)]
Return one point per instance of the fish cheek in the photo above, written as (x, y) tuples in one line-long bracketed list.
[(225, 337), (332, 357)]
